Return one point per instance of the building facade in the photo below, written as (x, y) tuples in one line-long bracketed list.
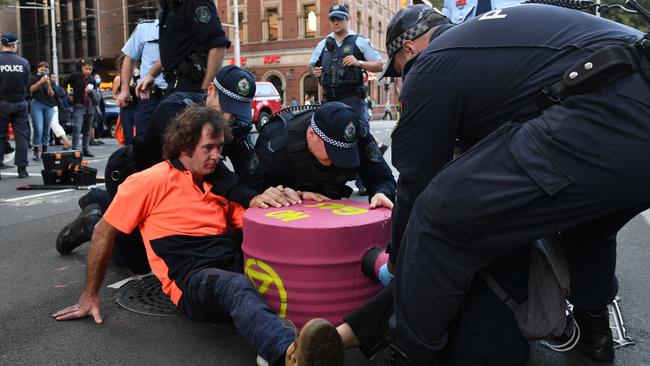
[(278, 37)]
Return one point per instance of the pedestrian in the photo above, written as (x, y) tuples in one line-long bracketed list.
[(128, 104), (14, 77), (41, 108), (294, 102), (83, 108), (182, 215), (143, 46), (192, 45), (387, 111), (60, 113), (520, 180)]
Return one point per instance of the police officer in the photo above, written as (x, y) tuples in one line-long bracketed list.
[(523, 179), (319, 152), (340, 60), (459, 11), (143, 46), (14, 76), (192, 44)]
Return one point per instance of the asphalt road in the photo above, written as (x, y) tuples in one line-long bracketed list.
[(35, 281)]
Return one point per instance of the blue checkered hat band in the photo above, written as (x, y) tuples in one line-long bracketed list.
[(423, 25), (331, 141), (338, 12), (230, 94)]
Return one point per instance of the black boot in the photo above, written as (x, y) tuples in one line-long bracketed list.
[(22, 172), (596, 341), (43, 149), (37, 154), (80, 230)]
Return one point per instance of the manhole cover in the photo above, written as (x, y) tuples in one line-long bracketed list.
[(145, 296)]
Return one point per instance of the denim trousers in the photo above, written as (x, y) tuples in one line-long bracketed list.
[(41, 120), (211, 294), (83, 117)]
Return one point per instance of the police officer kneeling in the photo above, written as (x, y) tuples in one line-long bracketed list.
[(319, 152)]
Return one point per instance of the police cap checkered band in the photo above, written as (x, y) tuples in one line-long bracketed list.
[(231, 94), (429, 18), (327, 139)]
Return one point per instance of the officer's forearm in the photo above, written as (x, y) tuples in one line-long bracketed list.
[(155, 69), (215, 60), (373, 66), (127, 72)]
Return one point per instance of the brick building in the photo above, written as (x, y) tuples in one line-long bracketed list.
[(278, 38)]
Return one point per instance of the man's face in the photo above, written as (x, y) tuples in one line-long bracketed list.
[(207, 153), (316, 147), (338, 25), (86, 70), (213, 102), (43, 70)]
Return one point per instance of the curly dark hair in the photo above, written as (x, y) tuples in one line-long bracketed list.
[(184, 131)]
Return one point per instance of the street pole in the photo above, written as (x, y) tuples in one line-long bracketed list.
[(236, 35), (55, 56)]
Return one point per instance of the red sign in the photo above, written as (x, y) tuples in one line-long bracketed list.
[(273, 59), (242, 61)]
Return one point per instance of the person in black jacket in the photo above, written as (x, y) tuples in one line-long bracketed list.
[(84, 111)]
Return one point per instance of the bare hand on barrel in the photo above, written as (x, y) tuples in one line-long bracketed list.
[(380, 200)]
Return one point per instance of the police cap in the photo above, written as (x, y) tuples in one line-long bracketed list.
[(339, 12), (408, 24), (338, 125), (9, 39), (236, 88)]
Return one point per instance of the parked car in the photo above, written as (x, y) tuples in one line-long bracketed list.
[(267, 101), (111, 112)]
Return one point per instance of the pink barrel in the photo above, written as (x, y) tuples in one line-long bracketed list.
[(305, 260)]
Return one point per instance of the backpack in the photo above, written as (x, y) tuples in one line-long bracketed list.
[(546, 311)]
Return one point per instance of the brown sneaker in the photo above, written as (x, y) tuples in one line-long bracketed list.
[(318, 344)]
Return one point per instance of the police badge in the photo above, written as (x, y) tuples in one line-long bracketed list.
[(203, 14), (243, 86), (350, 132)]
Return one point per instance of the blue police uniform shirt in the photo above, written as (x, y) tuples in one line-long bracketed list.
[(363, 43), (459, 11), (143, 46), (14, 77), (478, 75)]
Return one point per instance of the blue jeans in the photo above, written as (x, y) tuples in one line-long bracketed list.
[(83, 118), (212, 294), (128, 121), (41, 120)]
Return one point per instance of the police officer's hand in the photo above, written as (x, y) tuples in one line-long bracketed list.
[(317, 71), (122, 98), (88, 305), (143, 90), (272, 197), (350, 60), (380, 200), (311, 196)]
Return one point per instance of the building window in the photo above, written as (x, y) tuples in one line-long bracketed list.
[(272, 24), (311, 21), (359, 23), (242, 27), (369, 34)]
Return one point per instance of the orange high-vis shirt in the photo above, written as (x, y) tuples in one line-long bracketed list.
[(183, 228)]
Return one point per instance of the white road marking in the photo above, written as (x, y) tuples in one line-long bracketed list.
[(123, 282), (37, 195)]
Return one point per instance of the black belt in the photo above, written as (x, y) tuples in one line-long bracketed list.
[(599, 69)]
